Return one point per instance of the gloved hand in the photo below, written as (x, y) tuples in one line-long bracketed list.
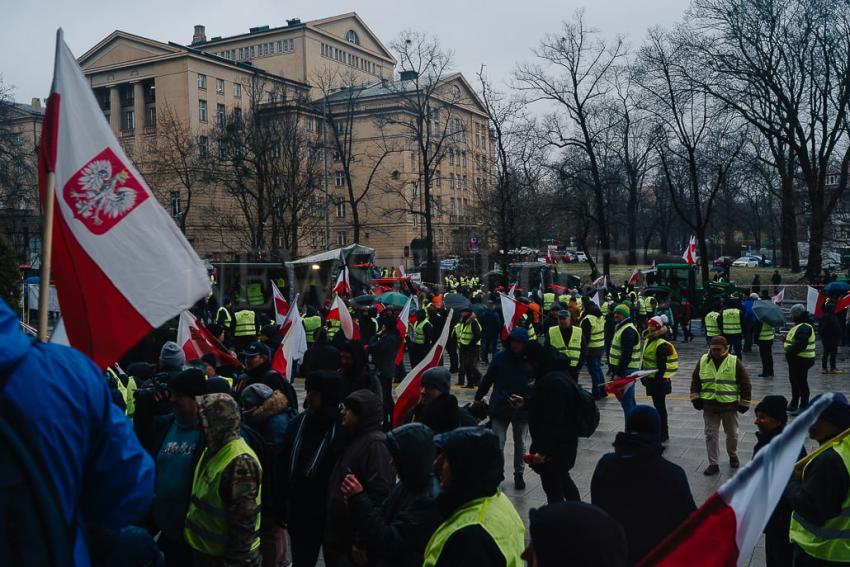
[(743, 409), (697, 403)]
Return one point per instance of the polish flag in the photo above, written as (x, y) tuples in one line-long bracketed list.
[(633, 279), (814, 301), (343, 285), (842, 304), (407, 393), (724, 531), (281, 306), (196, 341), (121, 266), (600, 281), (294, 343), (512, 310), (401, 324), (690, 254), (620, 386), (339, 312), (779, 298), (512, 292)]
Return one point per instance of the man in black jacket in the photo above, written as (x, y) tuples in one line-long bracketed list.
[(175, 442), (258, 370), (830, 336), (647, 494), (395, 533), (800, 355), (384, 347), (309, 452)]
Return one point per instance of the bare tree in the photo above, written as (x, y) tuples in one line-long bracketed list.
[(18, 184), (785, 67), (696, 137), (574, 72)]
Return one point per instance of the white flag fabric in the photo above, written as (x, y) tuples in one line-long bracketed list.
[(122, 267), (779, 298), (339, 312), (281, 306), (293, 346), (812, 299)]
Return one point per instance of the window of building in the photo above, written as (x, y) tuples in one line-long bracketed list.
[(452, 207), (351, 36), (463, 155), (451, 180), (464, 182), (451, 156), (414, 190), (339, 179), (219, 114), (341, 238), (337, 155), (222, 150), (340, 209), (237, 90), (175, 204), (202, 110), (203, 146), (202, 81), (103, 98), (271, 96), (413, 161), (437, 178), (18, 139), (150, 117), (128, 97), (219, 86), (252, 52), (237, 116), (128, 120), (413, 219)]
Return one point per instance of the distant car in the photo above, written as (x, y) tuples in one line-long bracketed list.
[(581, 257), (723, 261), (746, 262), (762, 260)]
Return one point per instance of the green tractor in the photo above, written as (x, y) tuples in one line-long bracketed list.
[(680, 281)]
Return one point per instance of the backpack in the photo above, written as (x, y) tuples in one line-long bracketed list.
[(587, 414)]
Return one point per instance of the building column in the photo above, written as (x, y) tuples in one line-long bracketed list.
[(139, 107), (115, 110)]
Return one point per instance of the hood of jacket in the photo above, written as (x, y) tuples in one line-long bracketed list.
[(659, 333), (219, 419), (576, 533), (637, 445), (368, 408), (413, 452), (476, 462), (273, 405)]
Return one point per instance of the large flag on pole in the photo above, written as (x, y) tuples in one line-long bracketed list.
[(281, 306), (294, 343), (121, 266), (407, 393), (512, 310), (343, 285), (690, 254), (401, 324), (196, 341), (339, 312), (724, 531), (814, 301)]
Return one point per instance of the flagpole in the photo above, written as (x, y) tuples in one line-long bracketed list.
[(46, 256)]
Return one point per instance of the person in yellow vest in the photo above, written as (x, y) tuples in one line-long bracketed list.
[(730, 322), (720, 388), (254, 294), (126, 387), (624, 355), (593, 330), (800, 354), (422, 338), (311, 323), (223, 522), (223, 317), (245, 327), (482, 527), (659, 355), (711, 325), (764, 335), (568, 340), (819, 493), (468, 334), (548, 300), (551, 318)]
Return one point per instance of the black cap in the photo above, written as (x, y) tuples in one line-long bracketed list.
[(775, 407), (256, 348), (191, 382)]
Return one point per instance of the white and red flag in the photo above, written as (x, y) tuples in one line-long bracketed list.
[(281, 306), (512, 292), (343, 285), (779, 298), (690, 254), (121, 266), (196, 341), (634, 278), (724, 531), (401, 324), (814, 301), (407, 393), (601, 281), (620, 386), (294, 343), (339, 312), (512, 310)]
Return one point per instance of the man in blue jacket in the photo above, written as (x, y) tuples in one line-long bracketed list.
[(101, 474), (509, 375)]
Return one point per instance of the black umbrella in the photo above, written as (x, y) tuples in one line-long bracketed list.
[(768, 312), (455, 301), (657, 290), (836, 287), (363, 300)]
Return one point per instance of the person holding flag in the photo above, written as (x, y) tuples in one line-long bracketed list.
[(624, 355), (720, 388)]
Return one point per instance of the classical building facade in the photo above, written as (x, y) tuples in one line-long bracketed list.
[(145, 86)]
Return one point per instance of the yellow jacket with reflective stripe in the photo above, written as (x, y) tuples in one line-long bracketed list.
[(650, 362), (311, 324), (615, 352), (246, 323), (719, 384), (767, 333), (731, 322), (809, 351), (830, 541), (712, 329), (571, 350), (597, 331)]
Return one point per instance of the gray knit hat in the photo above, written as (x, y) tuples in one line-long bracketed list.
[(171, 356), (439, 378)]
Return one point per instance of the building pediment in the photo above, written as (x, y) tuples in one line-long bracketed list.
[(341, 26), (455, 88), (121, 48)]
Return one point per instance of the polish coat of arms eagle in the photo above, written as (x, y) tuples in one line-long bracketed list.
[(102, 195)]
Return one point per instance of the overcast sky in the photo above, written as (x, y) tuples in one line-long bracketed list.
[(497, 33)]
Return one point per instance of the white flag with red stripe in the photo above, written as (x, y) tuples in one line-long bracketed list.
[(401, 325), (196, 341), (690, 254), (121, 266), (779, 298), (635, 277), (512, 292), (814, 301), (343, 285), (281, 306), (512, 311), (339, 312), (407, 393), (724, 531), (294, 343)]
